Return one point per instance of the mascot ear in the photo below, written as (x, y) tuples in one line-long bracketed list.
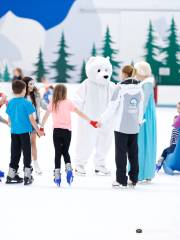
[(91, 59), (108, 58)]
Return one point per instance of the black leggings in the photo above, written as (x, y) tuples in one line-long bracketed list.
[(62, 140), (168, 150)]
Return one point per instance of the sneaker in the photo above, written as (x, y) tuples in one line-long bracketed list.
[(80, 170), (28, 178), (69, 173), (116, 184), (13, 177), (36, 167), (57, 176), (102, 170)]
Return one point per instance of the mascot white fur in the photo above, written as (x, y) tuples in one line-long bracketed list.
[(92, 98)]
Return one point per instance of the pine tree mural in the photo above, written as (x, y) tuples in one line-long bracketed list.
[(6, 75), (61, 65), (152, 50), (172, 50), (94, 50), (40, 71), (83, 72), (1, 77), (108, 51)]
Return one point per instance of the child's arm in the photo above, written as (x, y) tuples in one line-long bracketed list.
[(45, 118), (35, 126), (113, 105), (176, 122), (81, 114), (3, 120), (3, 99)]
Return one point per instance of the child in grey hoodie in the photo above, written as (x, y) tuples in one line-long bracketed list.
[(127, 107)]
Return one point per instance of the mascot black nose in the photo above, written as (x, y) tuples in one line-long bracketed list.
[(106, 76)]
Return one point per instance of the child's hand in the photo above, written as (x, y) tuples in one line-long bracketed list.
[(3, 99), (142, 122), (40, 133), (94, 123), (99, 125), (42, 130)]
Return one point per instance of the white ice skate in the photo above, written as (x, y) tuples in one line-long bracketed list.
[(36, 167), (117, 185), (80, 170), (102, 171)]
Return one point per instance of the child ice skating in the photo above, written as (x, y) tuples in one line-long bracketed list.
[(127, 107), (17, 74), (61, 108), (20, 112), (147, 138), (173, 142), (2, 102), (32, 94)]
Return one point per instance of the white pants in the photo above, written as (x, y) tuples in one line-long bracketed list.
[(91, 139)]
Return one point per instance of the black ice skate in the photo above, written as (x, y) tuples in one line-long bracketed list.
[(132, 184), (13, 177), (28, 178)]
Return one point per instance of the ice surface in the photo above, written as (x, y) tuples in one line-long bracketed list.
[(90, 209)]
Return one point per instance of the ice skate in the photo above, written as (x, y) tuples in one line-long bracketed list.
[(80, 170), (13, 177), (36, 167), (159, 164), (1, 175), (57, 177), (117, 185), (102, 171), (132, 184), (28, 178), (69, 173)]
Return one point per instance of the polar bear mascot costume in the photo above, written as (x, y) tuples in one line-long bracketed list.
[(92, 98)]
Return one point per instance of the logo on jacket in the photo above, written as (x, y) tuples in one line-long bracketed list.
[(133, 102), (133, 106)]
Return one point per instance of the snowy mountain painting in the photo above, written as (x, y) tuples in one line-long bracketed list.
[(32, 31)]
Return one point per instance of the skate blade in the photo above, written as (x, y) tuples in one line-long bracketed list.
[(9, 182), (58, 183), (71, 180), (28, 182)]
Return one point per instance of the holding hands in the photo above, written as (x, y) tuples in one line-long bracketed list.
[(95, 124)]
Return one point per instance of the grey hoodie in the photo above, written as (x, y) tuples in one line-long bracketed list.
[(126, 107)]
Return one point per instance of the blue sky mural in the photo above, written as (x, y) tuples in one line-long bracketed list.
[(48, 13)]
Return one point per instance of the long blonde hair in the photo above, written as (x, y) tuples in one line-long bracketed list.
[(59, 94)]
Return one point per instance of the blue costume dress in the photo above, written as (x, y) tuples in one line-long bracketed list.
[(147, 139)]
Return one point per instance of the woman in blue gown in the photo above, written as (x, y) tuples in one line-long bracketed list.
[(147, 139)]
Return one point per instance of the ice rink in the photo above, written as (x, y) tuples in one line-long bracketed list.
[(90, 209)]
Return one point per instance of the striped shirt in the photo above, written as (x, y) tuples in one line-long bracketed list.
[(174, 136)]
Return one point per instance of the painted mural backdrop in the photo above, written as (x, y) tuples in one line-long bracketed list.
[(54, 39)]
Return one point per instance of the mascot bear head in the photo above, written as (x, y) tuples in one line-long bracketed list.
[(99, 70)]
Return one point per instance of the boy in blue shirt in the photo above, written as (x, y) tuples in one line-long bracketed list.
[(20, 113)]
